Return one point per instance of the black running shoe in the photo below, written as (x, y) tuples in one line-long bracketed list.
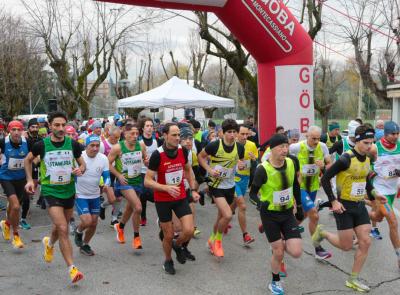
[(102, 214), (180, 254), (169, 267), (188, 254), (78, 238), (86, 250), (113, 223)]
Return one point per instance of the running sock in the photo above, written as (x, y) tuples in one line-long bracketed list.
[(244, 234), (8, 223), (121, 225), (15, 233), (185, 244), (50, 244), (218, 236), (353, 276), (70, 267), (276, 277), (78, 231), (212, 237), (135, 234)]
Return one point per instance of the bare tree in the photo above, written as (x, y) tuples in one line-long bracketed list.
[(80, 44)]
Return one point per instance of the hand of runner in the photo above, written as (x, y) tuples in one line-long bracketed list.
[(122, 180), (30, 187), (241, 165), (381, 199), (252, 156), (173, 191), (338, 207), (146, 161), (214, 173), (77, 171), (195, 196), (320, 164)]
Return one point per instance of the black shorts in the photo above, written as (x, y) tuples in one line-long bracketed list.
[(278, 224), (228, 193), (14, 187), (356, 214), (57, 202), (180, 208)]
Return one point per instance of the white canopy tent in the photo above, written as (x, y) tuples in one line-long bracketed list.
[(175, 94)]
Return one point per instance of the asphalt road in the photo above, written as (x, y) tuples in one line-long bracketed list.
[(118, 269)]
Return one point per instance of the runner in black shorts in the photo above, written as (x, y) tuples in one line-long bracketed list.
[(226, 155), (351, 171), (276, 180), (170, 164), (13, 150)]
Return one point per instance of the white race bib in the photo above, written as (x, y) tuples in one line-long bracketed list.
[(59, 177), (132, 163), (247, 164), (282, 198), (223, 172), (15, 164), (310, 169), (389, 171), (174, 178), (358, 189)]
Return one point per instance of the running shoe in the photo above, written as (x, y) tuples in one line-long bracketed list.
[(143, 222), (321, 253), (24, 225), (102, 214), (75, 275), (86, 250), (211, 246), (169, 267), (17, 242), (180, 254), (276, 288), (357, 285), (120, 233), (283, 272), (247, 239), (48, 251), (375, 234), (218, 249), (317, 235), (78, 238), (113, 222), (197, 232), (5, 230), (137, 243), (188, 254)]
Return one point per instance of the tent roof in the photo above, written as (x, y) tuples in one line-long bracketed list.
[(175, 93)]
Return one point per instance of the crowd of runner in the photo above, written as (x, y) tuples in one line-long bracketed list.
[(177, 166)]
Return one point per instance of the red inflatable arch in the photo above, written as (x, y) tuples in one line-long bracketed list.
[(281, 47)]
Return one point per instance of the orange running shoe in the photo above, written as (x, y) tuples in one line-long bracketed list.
[(75, 275), (120, 234), (137, 243), (218, 250)]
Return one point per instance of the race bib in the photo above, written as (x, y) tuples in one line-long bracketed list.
[(15, 164), (310, 169), (134, 170), (132, 164), (389, 171), (358, 190), (223, 172), (59, 177), (247, 164), (174, 178), (282, 198)]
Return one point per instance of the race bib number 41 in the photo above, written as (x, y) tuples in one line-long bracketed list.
[(15, 164)]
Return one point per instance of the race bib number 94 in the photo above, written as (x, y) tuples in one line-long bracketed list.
[(282, 198)]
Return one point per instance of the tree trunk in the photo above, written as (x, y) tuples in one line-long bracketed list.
[(85, 111), (133, 112), (209, 112)]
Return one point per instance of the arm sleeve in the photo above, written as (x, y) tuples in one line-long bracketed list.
[(325, 150), (154, 161), (185, 154), (240, 150), (340, 165), (198, 146), (337, 147), (77, 149), (212, 148), (296, 185), (106, 177), (370, 188), (38, 149), (260, 177)]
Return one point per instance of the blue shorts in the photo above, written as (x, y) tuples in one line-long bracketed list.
[(241, 185), (308, 199), (118, 188), (87, 206)]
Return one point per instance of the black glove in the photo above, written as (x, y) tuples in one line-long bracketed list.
[(255, 200), (299, 213)]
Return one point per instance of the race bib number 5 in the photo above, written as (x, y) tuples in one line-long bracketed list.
[(282, 198)]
